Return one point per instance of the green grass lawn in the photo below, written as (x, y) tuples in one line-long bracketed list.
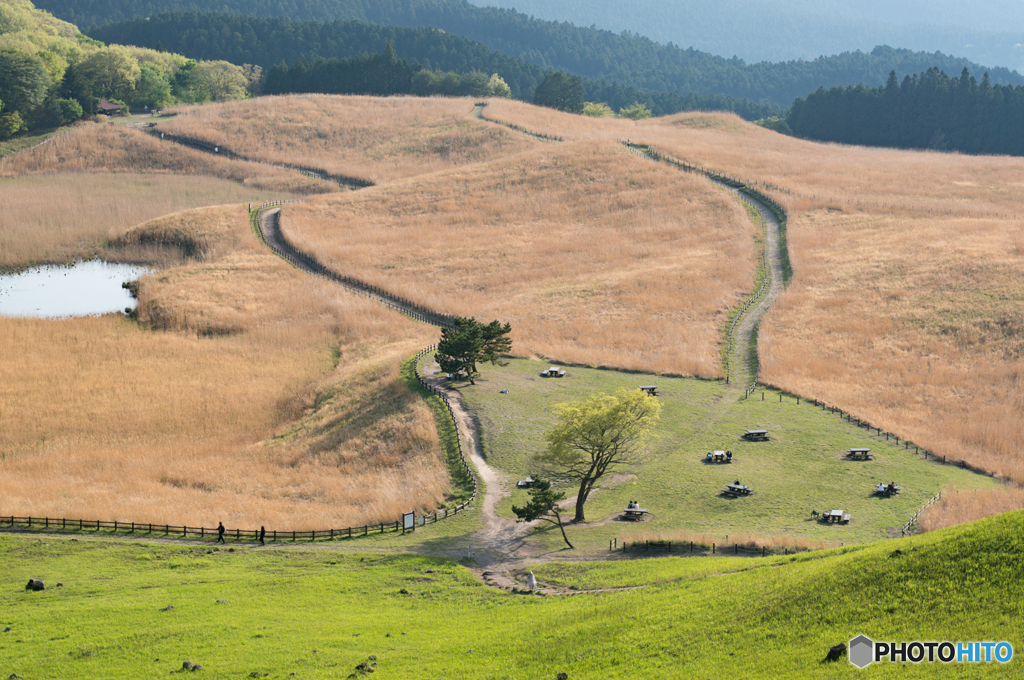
[(318, 613), (801, 469)]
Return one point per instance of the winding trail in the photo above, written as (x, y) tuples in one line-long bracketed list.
[(500, 547)]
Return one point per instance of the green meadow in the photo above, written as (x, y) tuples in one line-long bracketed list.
[(319, 612), (802, 467)]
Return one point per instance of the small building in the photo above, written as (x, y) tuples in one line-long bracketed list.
[(108, 108)]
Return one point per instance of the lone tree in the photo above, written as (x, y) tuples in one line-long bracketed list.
[(597, 435), (543, 505), (471, 342)]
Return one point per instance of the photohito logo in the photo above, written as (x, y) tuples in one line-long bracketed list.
[(863, 651)]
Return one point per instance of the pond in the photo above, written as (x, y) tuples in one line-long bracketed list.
[(81, 289)]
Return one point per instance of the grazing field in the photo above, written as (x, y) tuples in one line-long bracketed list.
[(129, 610), (372, 138), (117, 149), (595, 256), (95, 208), (801, 469), (222, 402)]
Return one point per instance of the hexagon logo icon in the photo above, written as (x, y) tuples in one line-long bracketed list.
[(862, 651)]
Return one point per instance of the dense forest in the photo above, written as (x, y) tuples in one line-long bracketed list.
[(624, 58), (767, 30), (926, 111), (269, 42), (52, 75)]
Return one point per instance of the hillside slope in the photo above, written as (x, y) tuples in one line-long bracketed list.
[(138, 609)]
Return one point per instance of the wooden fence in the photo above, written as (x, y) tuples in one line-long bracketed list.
[(201, 145), (314, 266)]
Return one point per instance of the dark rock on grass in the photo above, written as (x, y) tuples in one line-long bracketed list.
[(835, 652), (168, 608), (8, 629), (35, 584), (189, 666), (403, 591), (562, 676)]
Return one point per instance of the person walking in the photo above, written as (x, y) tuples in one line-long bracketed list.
[(531, 581), (220, 532), (263, 534)]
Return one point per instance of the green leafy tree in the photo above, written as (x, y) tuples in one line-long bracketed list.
[(11, 124), (635, 111), (469, 343), (153, 88), (543, 505), (597, 110), (56, 112), (188, 85), (23, 81), (111, 72), (594, 436), (497, 87), (560, 91), (223, 81)]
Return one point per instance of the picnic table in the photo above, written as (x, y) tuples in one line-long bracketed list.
[(858, 454), (553, 372), (887, 490), (525, 483), (650, 389), (738, 490), (756, 435), (719, 456), (635, 514), (836, 516)]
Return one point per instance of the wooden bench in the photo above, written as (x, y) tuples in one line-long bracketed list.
[(756, 435), (858, 454), (652, 390), (553, 372)]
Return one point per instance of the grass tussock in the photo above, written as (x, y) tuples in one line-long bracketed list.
[(727, 541), (118, 149), (95, 208), (105, 418), (959, 506), (595, 256), (372, 138)]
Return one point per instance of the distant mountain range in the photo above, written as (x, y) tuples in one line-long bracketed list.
[(626, 59), (990, 32)]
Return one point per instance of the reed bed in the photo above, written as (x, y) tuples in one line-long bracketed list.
[(96, 208), (958, 506), (194, 422), (118, 149), (371, 138), (595, 256)]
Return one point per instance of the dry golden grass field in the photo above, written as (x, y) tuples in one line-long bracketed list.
[(372, 138), (595, 256), (63, 217), (117, 149), (905, 307), (173, 419)]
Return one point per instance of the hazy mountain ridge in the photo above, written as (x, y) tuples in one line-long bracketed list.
[(756, 30)]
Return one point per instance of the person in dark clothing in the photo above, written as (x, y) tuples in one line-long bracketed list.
[(263, 533), (220, 532)]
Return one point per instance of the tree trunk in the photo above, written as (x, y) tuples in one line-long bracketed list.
[(580, 500), (564, 537)]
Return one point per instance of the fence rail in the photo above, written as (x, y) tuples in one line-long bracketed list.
[(216, 149), (712, 548)]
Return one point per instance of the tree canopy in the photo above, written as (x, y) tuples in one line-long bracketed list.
[(926, 111), (543, 505), (560, 91), (461, 348), (596, 435)]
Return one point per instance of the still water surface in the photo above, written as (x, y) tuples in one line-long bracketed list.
[(81, 289)]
